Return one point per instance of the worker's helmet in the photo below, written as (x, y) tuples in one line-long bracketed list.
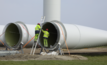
[(38, 23), (46, 29)]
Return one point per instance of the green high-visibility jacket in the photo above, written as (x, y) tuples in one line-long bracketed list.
[(37, 27), (46, 34)]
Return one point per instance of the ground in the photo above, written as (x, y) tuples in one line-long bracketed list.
[(74, 55)]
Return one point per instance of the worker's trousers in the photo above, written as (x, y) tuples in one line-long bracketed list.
[(36, 37), (45, 42)]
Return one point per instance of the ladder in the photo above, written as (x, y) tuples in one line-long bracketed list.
[(35, 45)]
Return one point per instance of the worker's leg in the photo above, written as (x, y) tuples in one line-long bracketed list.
[(46, 42), (36, 37)]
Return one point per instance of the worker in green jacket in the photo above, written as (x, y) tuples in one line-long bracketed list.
[(45, 36), (37, 30)]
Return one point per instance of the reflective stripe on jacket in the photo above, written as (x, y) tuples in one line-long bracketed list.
[(46, 34), (37, 27)]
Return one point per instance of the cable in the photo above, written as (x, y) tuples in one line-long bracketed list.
[(1, 42), (64, 39), (29, 41)]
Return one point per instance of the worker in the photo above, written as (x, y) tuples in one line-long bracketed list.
[(45, 36), (37, 30)]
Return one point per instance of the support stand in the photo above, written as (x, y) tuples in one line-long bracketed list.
[(6, 48), (42, 50), (60, 51), (21, 45)]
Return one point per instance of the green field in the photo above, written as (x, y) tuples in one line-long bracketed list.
[(92, 60)]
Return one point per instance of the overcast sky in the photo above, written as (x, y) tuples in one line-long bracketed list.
[(91, 13)]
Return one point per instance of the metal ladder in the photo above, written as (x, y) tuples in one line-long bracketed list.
[(35, 45)]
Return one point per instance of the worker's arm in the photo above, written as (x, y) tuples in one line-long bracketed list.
[(39, 27), (43, 31), (48, 35)]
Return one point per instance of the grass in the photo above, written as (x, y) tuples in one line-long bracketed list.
[(92, 60)]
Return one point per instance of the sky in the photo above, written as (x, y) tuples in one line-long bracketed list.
[(91, 13)]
